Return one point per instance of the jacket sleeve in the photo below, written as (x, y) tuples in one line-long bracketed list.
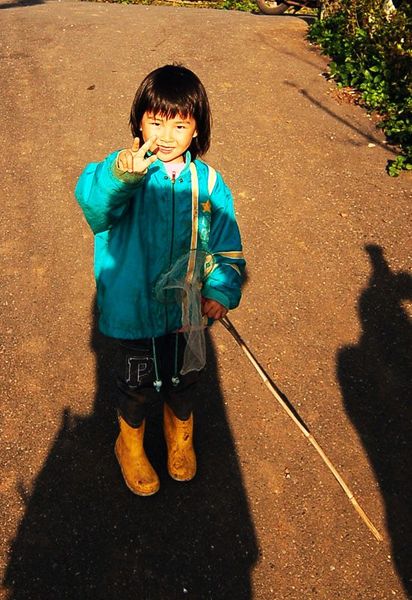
[(223, 282), (103, 195)]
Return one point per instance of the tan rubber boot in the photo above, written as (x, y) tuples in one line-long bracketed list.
[(181, 457), (138, 473)]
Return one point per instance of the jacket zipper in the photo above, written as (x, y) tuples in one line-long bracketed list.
[(173, 218), (173, 235)]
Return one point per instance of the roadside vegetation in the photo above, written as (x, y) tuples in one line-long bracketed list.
[(370, 44), (243, 5)]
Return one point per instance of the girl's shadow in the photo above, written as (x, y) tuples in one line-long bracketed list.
[(85, 536), (376, 376)]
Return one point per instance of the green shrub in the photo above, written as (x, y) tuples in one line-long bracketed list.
[(245, 5), (371, 51)]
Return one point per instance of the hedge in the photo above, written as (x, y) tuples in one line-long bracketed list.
[(370, 44)]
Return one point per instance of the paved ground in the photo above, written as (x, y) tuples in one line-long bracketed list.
[(325, 309)]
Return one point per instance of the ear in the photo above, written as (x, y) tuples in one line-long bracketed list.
[(195, 133)]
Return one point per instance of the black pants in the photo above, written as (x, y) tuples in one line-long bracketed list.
[(136, 365)]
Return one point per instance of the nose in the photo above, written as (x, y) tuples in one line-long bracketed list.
[(165, 134)]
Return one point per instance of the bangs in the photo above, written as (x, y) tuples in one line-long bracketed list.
[(169, 110), (169, 102)]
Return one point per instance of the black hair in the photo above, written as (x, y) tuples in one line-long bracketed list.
[(169, 91)]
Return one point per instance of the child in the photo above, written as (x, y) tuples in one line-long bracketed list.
[(167, 252)]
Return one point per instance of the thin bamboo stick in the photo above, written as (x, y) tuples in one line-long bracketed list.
[(296, 419)]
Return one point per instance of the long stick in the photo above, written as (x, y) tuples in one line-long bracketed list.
[(299, 422)]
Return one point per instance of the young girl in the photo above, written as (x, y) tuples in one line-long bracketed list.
[(167, 256)]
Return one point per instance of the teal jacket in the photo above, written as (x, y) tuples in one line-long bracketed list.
[(142, 227)]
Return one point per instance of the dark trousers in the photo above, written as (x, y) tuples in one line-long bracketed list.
[(139, 365)]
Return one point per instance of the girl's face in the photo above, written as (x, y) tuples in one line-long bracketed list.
[(174, 135)]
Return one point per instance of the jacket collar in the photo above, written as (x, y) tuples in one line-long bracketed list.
[(158, 164)]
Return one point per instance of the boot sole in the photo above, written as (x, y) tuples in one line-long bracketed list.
[(186, 479), (135, 492), (181, 478)]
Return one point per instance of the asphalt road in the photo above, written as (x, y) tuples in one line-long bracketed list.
[(326, 310)]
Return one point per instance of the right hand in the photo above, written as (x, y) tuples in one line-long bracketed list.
[(133, 160)]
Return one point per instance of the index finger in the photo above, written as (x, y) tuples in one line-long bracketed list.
[(148, 143), (136, 144)]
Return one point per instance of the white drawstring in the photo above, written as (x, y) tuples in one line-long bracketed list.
[(175, 378), (158, 382)]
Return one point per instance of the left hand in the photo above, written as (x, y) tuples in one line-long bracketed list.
[(213, 309)]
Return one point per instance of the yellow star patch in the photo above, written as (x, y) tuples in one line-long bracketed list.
[(206, 206)]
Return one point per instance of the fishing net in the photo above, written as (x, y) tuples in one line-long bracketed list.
[(175, 286)]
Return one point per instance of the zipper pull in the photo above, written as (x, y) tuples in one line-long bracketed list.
[(173, 177)]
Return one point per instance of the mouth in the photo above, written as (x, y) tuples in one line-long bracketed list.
[(165, 150)]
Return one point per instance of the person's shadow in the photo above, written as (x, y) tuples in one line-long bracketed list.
[(20, 3), (375, 376), (85, 536)]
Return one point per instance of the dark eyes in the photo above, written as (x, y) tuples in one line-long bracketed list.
[(158, 124)]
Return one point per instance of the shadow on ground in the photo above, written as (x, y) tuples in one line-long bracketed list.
[(376, 376), (368, 137), (20, 3), (85, 536)]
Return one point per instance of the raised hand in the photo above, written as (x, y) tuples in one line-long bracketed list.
[(133, 160)]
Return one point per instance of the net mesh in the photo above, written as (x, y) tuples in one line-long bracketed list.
[(175, 286)]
